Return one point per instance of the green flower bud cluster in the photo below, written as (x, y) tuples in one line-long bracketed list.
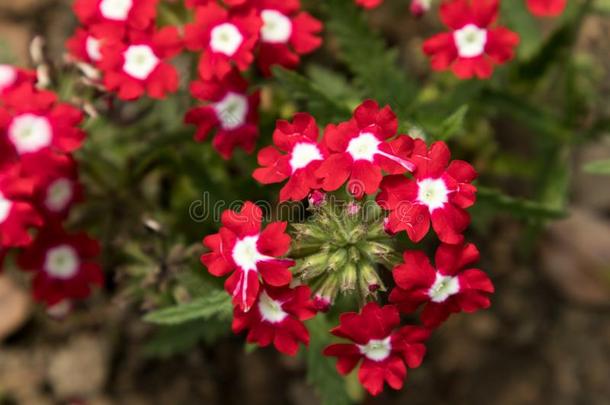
[(341, 248)]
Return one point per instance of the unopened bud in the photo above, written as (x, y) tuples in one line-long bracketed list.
[(419, 7), (348, 277), (352, 208), (337, 259), (316, 198), (321, 303), (368, 279)]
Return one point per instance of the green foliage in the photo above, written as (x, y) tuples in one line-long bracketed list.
[(216, 304), (321, 372), (598, 167), (452, 125), (518, 207)]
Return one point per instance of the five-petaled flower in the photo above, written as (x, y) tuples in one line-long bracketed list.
[(360, 149), (277, 317), (64, 265), (249, 253), (439, 192), (385, 348), (137, 14), (286, 33), (229, 109), (12, 77), (141, 64), (303, 157), (446, 289), (473, 46), (226, 37)]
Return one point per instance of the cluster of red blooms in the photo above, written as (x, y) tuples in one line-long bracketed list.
[(122, 40), (417, 186), (38, 187)]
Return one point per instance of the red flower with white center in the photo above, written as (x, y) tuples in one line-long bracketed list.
[(246, 251), (385, 350), (11, 77), (141, 65), (230, 110), (444, 290), (360, 150), (230, 3), (420, 7), (277, 317), (369, 3), (86, 43), (17, 215), (225, 37), (546, 8), (64, 265), (138, 14), (32, 121), (303, 157), (56, 186), (439, 193), (472, 47), (286, 33)]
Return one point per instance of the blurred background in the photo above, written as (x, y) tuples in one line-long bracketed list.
[(545, 340)]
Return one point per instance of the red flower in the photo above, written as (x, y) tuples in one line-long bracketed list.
[(11, 77), (32, 121), (546, 8), (230, 3), (86, 44), (360, 150), (277, 317), (56, 186), (225, 37), (138, 14), (385, 351), (439, 192), (303, 157), (243, 249), (63, 264), (472, 47), (369, 3), (286, 33), (445, 289), (140, 66), (230, 109), (17, 214)]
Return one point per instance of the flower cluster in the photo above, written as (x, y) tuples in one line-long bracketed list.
[(339, 251), (39, 185)]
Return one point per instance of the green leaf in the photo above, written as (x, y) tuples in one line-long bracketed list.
[(598, 167), (521, 208), (518, 18), (215, 305), (321, 372), (453, 124), (319, 103), (374, 66)]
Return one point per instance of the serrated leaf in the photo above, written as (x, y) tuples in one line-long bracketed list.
[(217, 304), (598, 167), (319, 103), (321, 372), (374, 66), (453, 124)]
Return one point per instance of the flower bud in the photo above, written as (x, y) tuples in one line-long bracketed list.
[(321, 303), (419, 7), (316, 198)]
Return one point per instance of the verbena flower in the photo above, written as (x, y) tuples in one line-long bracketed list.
[(138, 14), (546, 8), (448, 287)]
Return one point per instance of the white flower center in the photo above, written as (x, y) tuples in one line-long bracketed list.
[(140, 61), (5, 208), (92, 46), (377, 349), (270, 309), (8, 75), (226, 39), (232, 110), (116, 9), (245, 253), (433, 193), (303, 154), (62, 262), (276, 27), (443, 287), (58, 195), (470, 40), (30, 133), (364, 146)]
